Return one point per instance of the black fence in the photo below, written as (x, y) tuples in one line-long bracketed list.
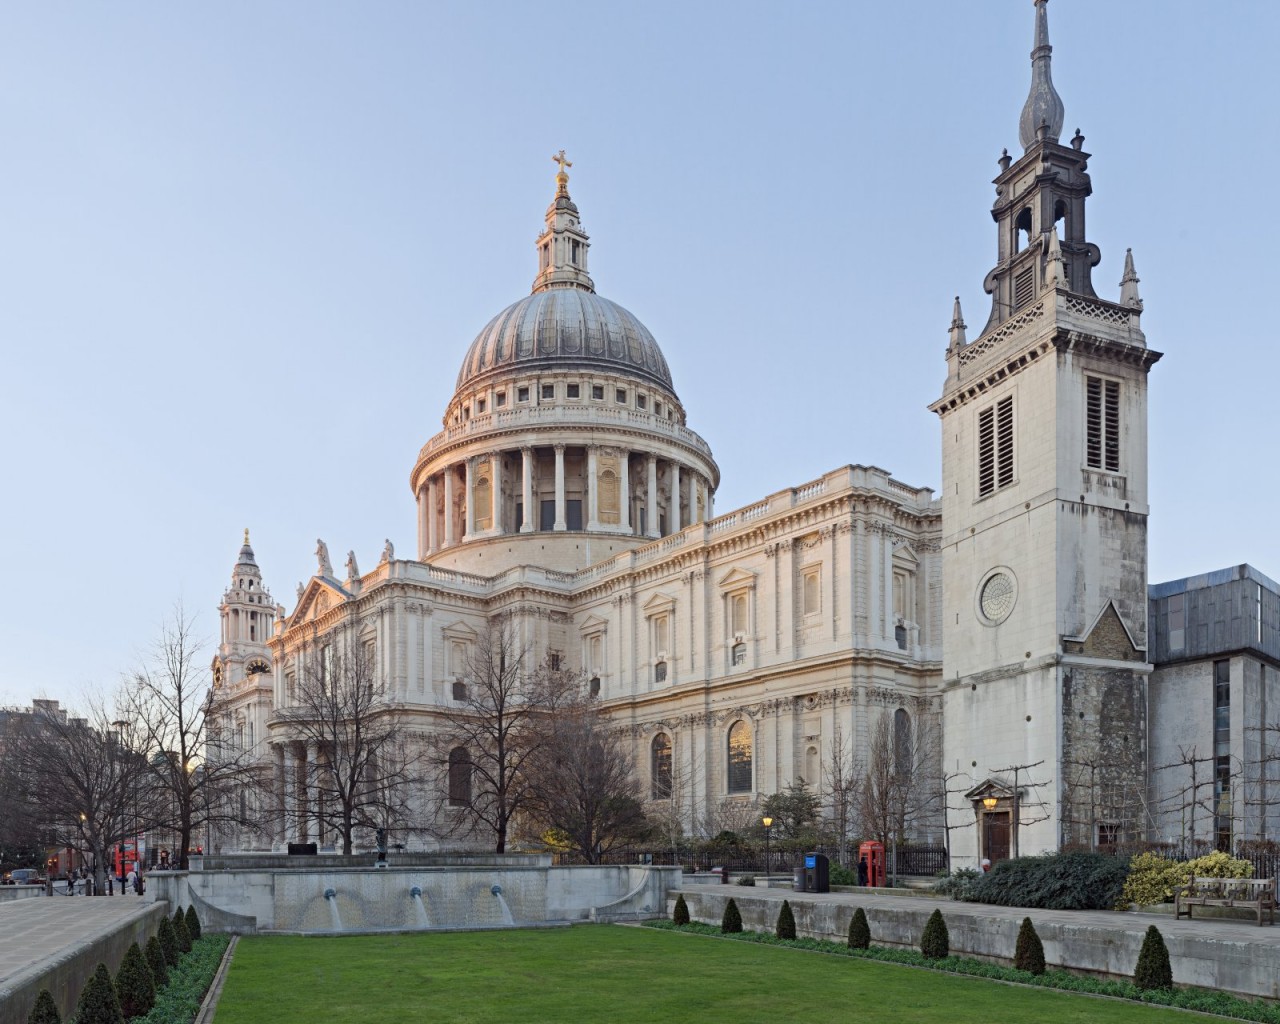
[(920, 861)]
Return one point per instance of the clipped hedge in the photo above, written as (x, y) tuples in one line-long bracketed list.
[(156, 961), (859, 930), (98, 1001), (935, 941), (732, 919), (180, 933), (1153, 970), (193, 923), (135, 985), (179, 1001), (45, 1010), (1053, 881), (786, 927), (1028, 954), (680, 916)]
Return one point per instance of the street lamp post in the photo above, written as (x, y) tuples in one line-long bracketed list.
[(768, 824)]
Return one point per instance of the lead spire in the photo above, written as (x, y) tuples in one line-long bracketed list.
[(1044, 105)]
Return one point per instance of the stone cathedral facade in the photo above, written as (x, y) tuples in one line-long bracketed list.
[(567, 493)]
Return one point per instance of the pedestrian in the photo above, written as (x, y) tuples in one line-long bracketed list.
[(71, 883), (862, 871), (131, 880)]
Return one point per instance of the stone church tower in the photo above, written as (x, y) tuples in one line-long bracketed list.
[(1044, 441)]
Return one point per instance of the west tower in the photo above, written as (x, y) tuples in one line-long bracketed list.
[(1044, 441)]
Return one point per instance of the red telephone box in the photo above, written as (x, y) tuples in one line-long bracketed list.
[(873, 853)]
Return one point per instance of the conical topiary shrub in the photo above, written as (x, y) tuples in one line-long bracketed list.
[(859, 931), (168, 942), (98, 1003), (45, 1010), (732, 920), (156, 961), (786, 928), (1028, 955), (135, 985), (180, 933), (935, 943), (680, 916), (193, 923), (1153, 970)]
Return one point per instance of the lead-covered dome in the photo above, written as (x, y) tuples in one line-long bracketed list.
[(565, 328)]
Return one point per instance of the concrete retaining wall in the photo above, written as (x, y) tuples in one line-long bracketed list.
[(1245, 967), (65, 975)]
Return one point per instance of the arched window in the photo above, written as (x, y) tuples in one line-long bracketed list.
[(739, 764), (902, 742), (660, 761), (459, 777), (1022, 229), (484, 503)]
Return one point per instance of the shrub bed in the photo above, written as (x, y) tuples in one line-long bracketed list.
[(1152, 878), (1200, 1000), (179, 1001), (1054, 881)]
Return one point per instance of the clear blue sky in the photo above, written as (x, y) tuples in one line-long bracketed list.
[(244, 246)]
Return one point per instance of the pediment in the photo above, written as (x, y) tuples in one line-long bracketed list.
[(1108, 636), (736, 578), (990, 787), (593, 624), (318, 597), (459, 630), (904, 554), (658, 604)]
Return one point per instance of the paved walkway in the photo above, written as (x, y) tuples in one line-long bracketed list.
[(37, 931), (1214, 929)]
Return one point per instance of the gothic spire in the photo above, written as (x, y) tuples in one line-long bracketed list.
[(562, 246), (1129, 283), (1044, 105), (957, 326)]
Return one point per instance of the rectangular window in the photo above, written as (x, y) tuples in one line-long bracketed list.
[(479, 406), (597, 392), (812, 596), (573, 514), (522, 394), (657, 408), (1102, 424), (620, 396), (574, 391), (500, 399), (547, 515), (553, 661), (1024, 287), (995, 447), (641, 401), (548, 391)]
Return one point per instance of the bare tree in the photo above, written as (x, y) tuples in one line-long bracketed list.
[(585, 787), (1026, 810), (1192, 799), (367, 767), (900, 789), (842, 777), (489, 738), (673, 804), (73, 775), (190, 773)]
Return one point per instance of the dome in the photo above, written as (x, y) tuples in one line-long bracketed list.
[(565, 329)]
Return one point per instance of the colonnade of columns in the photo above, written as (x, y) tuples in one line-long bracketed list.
[(300, 808), (465, 501)]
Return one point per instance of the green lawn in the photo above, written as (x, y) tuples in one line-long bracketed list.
[(612, 973)]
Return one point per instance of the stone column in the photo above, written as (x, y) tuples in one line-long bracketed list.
[(495, 461), (312, 799), (469, 496), (593, 515), (432, 539), (624, 485), (526, 458), (422, 521), (560, 522), (651, 517), (450, 527), (675, 497), (279, 813)]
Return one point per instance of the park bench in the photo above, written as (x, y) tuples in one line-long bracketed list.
[(1256, 894)]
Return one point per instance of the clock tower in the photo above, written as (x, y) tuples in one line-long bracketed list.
[(1044, 441)]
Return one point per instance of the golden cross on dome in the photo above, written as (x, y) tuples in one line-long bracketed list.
[(562, 161)]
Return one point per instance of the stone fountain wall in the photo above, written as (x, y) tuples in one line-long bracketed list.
[(246, 898)]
